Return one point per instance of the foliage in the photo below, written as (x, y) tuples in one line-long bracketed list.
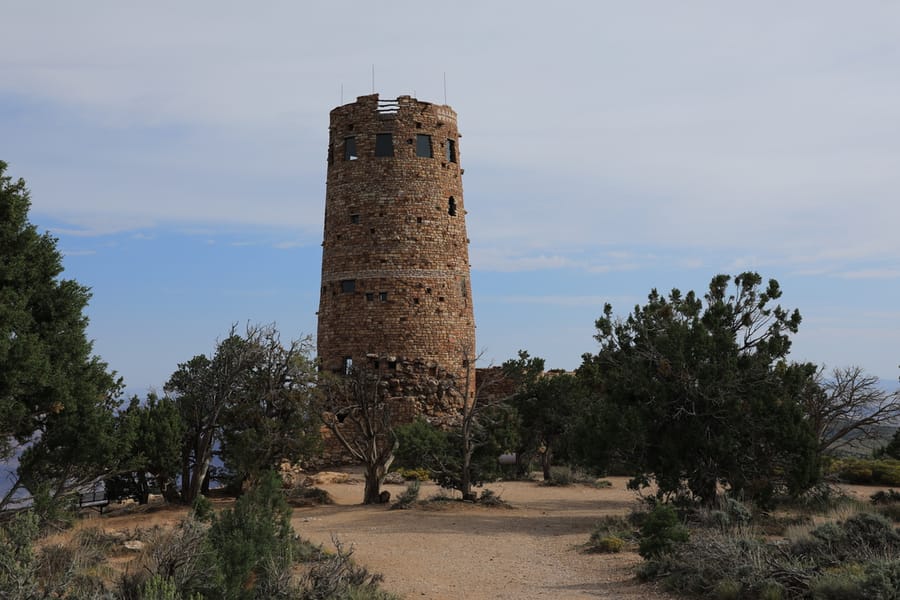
[(661, 531), (257, 530), (420, 473), (57, 401), (546, 407), (18, 564), (611, 534), (442, 454), (892, 449), (155, 430), (409, 495), (337, 576), (854, 558), (696, 393), (254, 396), (864, 471)]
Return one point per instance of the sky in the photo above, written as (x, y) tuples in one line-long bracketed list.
[(178, 152)]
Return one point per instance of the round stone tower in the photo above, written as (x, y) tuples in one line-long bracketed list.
[(396, 293)]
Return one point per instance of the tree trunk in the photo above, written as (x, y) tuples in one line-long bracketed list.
[(546, 459), (374, 476), (143, 488)]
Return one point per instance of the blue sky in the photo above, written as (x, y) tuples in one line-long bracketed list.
[(178, 153)]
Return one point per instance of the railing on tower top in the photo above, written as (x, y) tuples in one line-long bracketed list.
[(388, 107)]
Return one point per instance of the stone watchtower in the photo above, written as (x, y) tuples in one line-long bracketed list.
[(396, 293)]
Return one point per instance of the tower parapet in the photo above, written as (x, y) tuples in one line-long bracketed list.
[(395, 262)]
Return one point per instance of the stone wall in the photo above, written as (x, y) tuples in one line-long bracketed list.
[(396, 292)]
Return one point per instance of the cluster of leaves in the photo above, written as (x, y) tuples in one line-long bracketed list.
[(694, 394), (57, 400), (858, 557)]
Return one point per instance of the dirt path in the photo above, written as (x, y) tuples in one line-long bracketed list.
[(455, 550)]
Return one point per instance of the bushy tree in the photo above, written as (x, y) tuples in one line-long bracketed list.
[(156, 431), (546, 407), (253, 397), (694, 393), (57, 400), (274, 418)]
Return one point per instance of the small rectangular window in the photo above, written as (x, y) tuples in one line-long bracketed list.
[(423, 146), (350, 148), (354, 219), (348, 365), (451, 151), (384, 144), (348, 286), (370, 296), (383, 296)]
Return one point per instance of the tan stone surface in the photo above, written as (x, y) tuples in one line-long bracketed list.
[(389, 230)]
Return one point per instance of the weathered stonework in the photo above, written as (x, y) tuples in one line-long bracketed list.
[(396, 295)]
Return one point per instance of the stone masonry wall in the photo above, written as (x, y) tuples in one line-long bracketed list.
[(396, 291)]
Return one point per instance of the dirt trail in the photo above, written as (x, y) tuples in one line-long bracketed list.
[(454, 550)]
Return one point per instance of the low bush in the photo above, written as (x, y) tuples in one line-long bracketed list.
[(418, 474), (408, 497), (661, 531), (885, 497), (867, 471), (858, 557), (559, 476), (611, 534)]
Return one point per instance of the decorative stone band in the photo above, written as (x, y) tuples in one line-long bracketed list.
[(394, 273)]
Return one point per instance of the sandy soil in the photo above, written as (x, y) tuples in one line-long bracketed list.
[(455, 550)]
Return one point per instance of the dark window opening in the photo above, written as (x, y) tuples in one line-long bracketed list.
[(463, 287), (451, 206), (354, 219), (427, 290), (347, 366), (418, 219), (370, 296), (323, 290), (465, 363), (440, 298), (451, 151), (382, 296), (374, 364), (415, 300), (423, 146), (372, 230), (384, 144), (392, 364), (432, 371), (350, 148), (348, 286)]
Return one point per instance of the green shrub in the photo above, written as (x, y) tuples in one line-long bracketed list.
[(855, 581), (257, 530), (606, 533), (561, 476), (419, 474), (661, 531), (867, 471), (885, 497), (608, 544), (491, 498), (409, 495), (727, 589), (202, 508), (338, 576)]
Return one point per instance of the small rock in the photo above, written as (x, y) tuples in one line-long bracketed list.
[(134, 545)]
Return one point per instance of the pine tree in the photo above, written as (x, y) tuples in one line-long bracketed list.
[(57, 400)]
